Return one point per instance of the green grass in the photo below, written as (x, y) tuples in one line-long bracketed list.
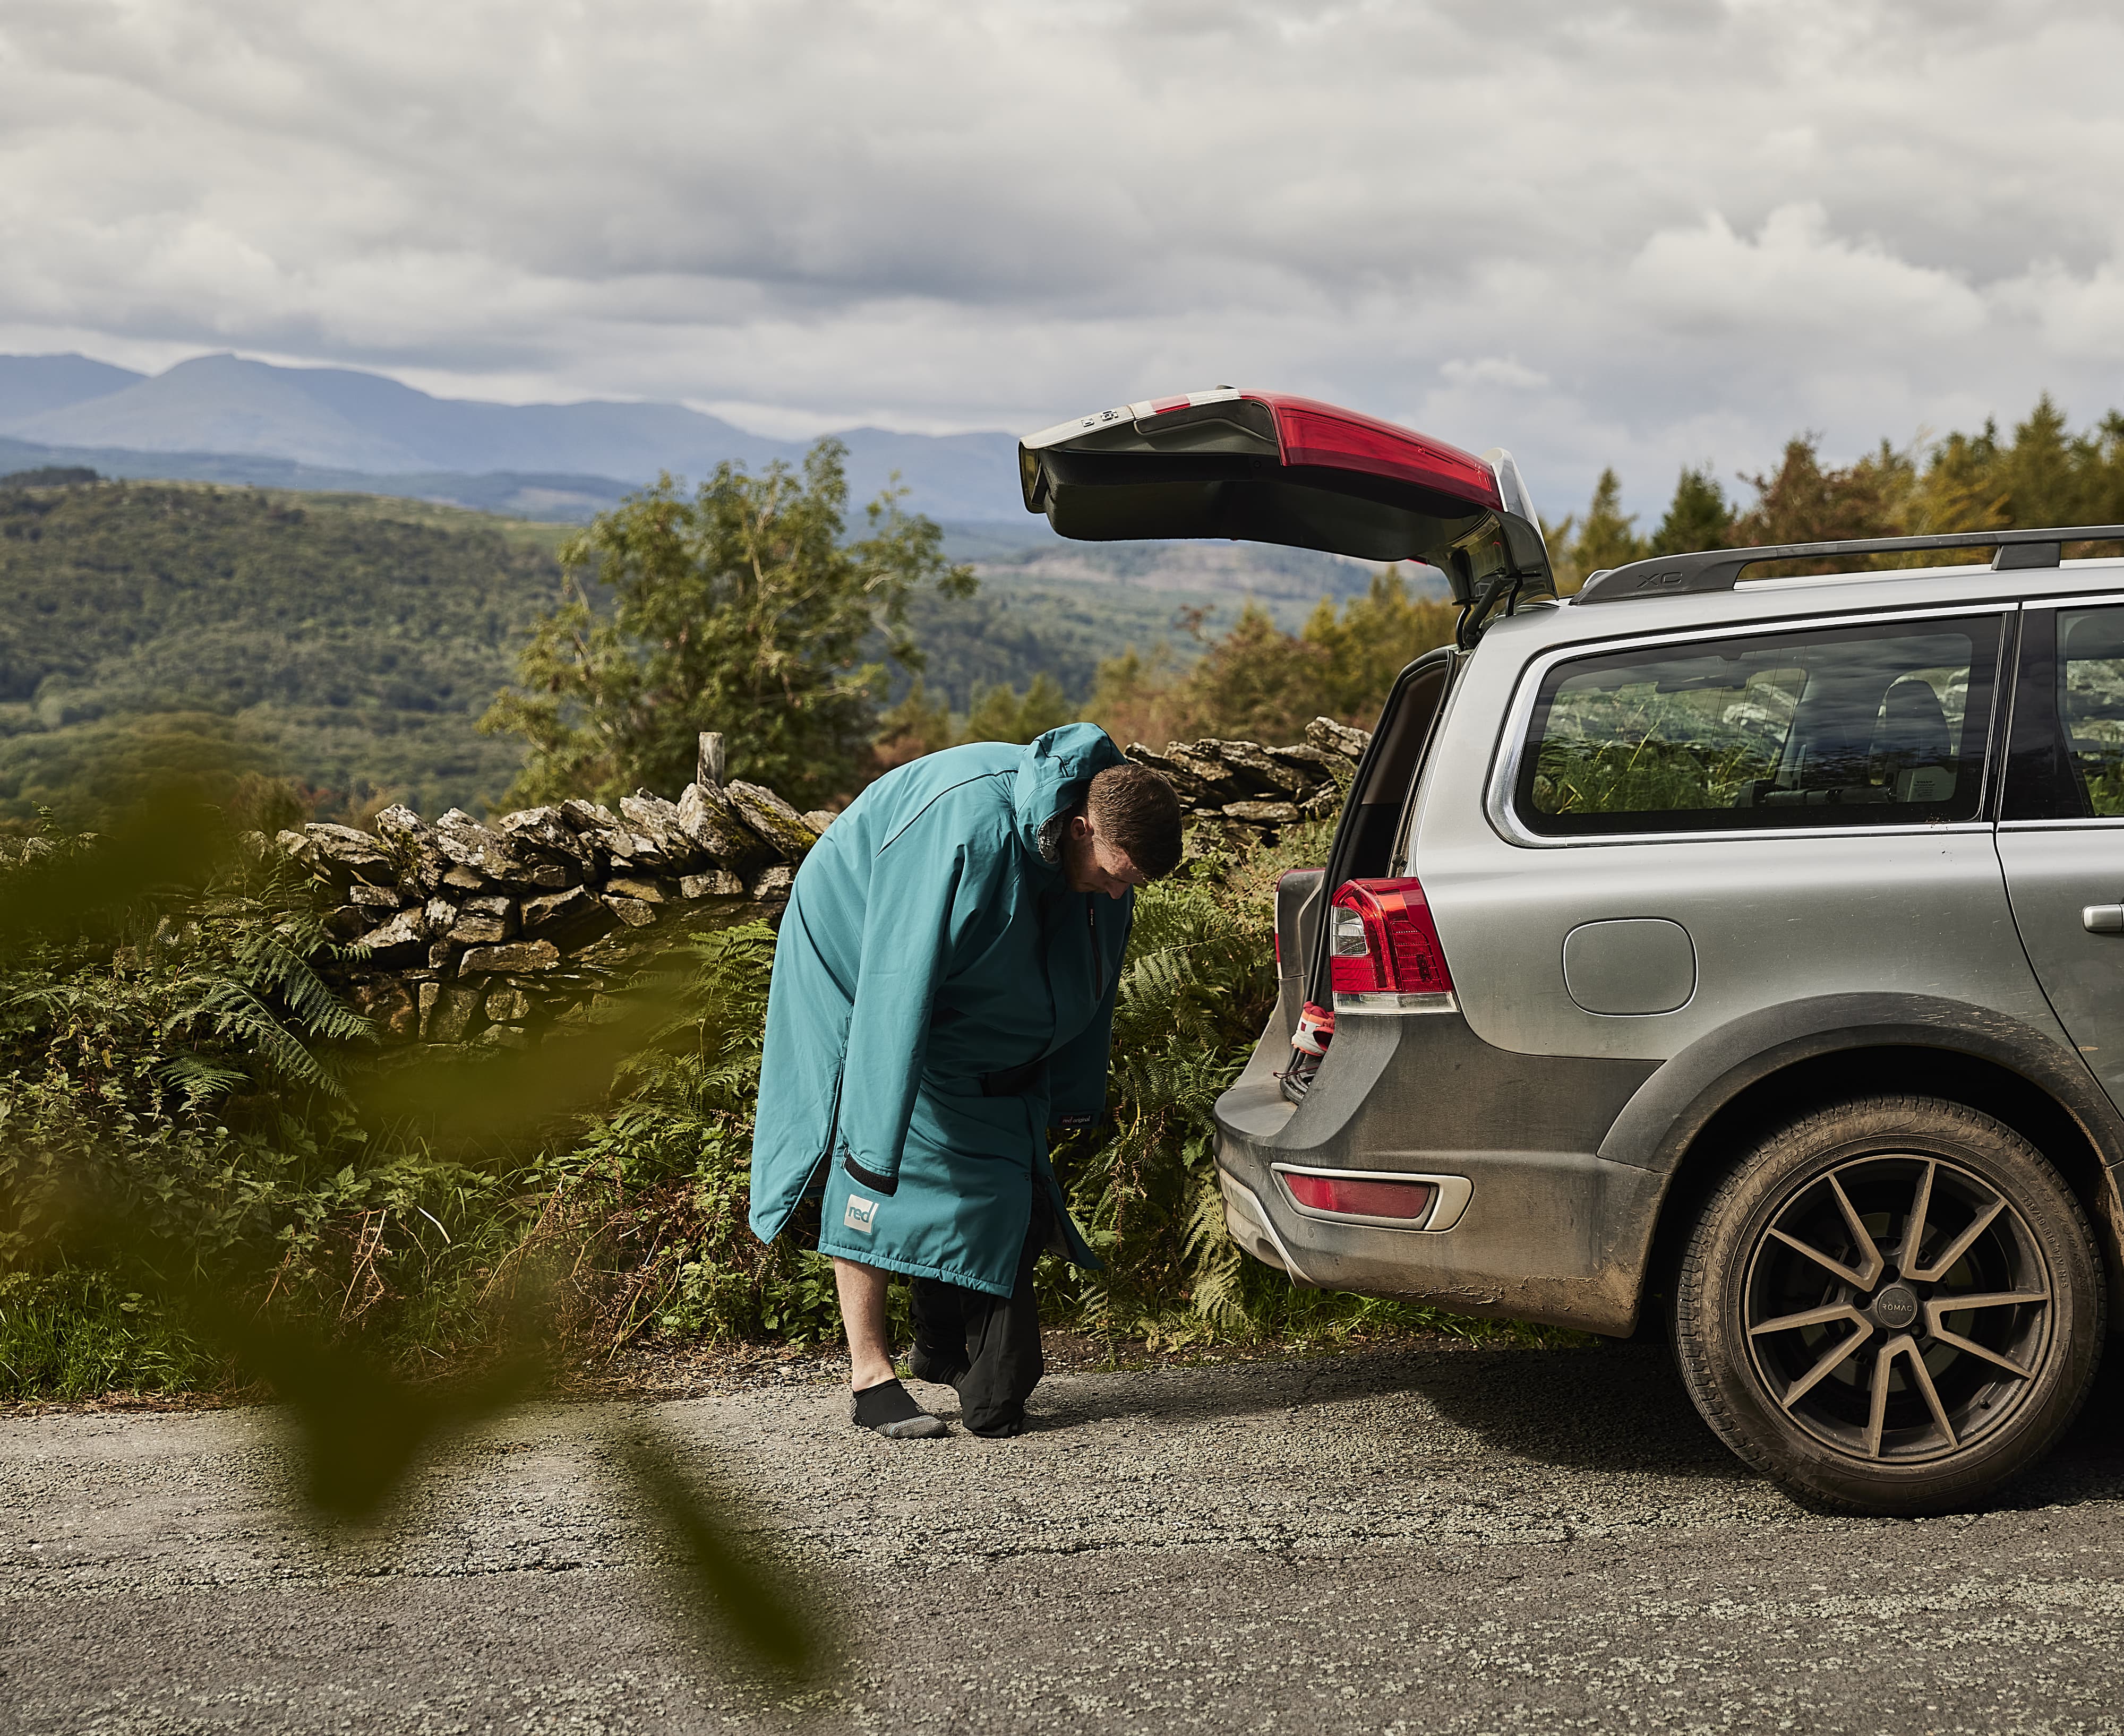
[(72, 1335)]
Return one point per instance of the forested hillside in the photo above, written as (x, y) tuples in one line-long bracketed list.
[(351, 642), (1009, 632), (351, 645)]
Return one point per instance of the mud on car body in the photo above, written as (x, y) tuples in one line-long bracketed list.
[(1726, 943)]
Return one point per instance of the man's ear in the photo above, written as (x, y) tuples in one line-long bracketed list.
[(1080, 827)]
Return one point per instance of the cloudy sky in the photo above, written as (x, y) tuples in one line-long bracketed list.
[(1636, 234)]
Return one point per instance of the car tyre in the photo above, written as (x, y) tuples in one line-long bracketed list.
[(1948, 1260)]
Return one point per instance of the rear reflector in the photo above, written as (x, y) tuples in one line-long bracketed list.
[(1353, 1197), (1383, 950)]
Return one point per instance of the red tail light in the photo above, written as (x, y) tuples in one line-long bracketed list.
[(1312, 432), (1383, 950), (1357, 1197)]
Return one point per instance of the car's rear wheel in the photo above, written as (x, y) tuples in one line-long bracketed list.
[(1893, 1306)]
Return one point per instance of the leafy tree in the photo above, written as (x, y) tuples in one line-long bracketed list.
[(2045, 482), (2052, 476), (1697, 518), (743, 609), (918, 724), (1804, 503), (2105, 463), (2045, 475), (1261, 682), (1558, 537)]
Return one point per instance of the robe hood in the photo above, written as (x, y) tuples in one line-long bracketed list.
[(1054, 775)]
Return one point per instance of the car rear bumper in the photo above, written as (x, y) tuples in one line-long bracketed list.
[(1544, 1229)]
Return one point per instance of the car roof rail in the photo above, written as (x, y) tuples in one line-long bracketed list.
[(1719, 569)]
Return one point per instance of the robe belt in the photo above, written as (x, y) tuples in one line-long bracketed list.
[(1015, 1081)]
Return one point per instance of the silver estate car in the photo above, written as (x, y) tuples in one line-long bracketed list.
[(1741, 938)]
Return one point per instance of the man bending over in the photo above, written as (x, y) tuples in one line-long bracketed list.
[(943, 993)]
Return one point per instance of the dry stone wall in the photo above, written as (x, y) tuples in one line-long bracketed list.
[(469, 931), (1263, 789)]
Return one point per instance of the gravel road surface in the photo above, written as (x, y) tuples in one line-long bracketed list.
[(1452, 1540)]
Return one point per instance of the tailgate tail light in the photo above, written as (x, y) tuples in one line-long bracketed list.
[(1385, 954)]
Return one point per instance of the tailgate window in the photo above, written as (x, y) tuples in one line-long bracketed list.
[(1381, 796), (1861, 725)]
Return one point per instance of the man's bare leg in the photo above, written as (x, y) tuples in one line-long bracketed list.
[(877, 1400), (863, 1313)]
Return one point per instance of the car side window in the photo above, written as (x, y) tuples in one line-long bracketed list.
[(2068, 752), (1883, 724)]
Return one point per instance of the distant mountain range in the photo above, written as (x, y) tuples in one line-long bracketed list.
[(219, 418)]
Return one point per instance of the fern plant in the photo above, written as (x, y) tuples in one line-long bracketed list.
[(182, 1068), (1197, 985)]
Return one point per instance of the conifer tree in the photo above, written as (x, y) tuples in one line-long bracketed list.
[(1697, 518), (1371, 641), (1606, 539), (1003, 714)]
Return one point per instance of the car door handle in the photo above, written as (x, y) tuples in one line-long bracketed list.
[(2103, 919)]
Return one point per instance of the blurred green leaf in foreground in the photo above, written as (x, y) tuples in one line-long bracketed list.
[(361, 1429)]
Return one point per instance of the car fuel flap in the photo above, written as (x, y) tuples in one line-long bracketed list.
[(1261, 467)]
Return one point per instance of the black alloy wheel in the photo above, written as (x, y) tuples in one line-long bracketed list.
[(1893, 1306)]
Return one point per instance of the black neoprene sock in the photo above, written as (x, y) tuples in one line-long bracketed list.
[(938, 1354), (890, 1409)]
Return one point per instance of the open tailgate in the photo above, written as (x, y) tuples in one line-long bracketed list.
[(1263, 467)]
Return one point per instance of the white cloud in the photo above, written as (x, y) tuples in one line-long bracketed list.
[(1638, 232), (1794, 279), (2080, 315), (1492, 370)]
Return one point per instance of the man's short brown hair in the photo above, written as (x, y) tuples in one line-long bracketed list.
[(1135, 809)]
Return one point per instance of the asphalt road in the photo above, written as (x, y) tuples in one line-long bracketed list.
[(1448, 1540)]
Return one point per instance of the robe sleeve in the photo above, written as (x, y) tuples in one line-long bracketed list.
[(1077, 1072), (921, 892)]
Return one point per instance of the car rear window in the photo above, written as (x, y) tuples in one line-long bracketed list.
[(1884, 723)]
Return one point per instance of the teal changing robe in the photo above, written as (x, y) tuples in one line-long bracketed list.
[(927, 944)]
